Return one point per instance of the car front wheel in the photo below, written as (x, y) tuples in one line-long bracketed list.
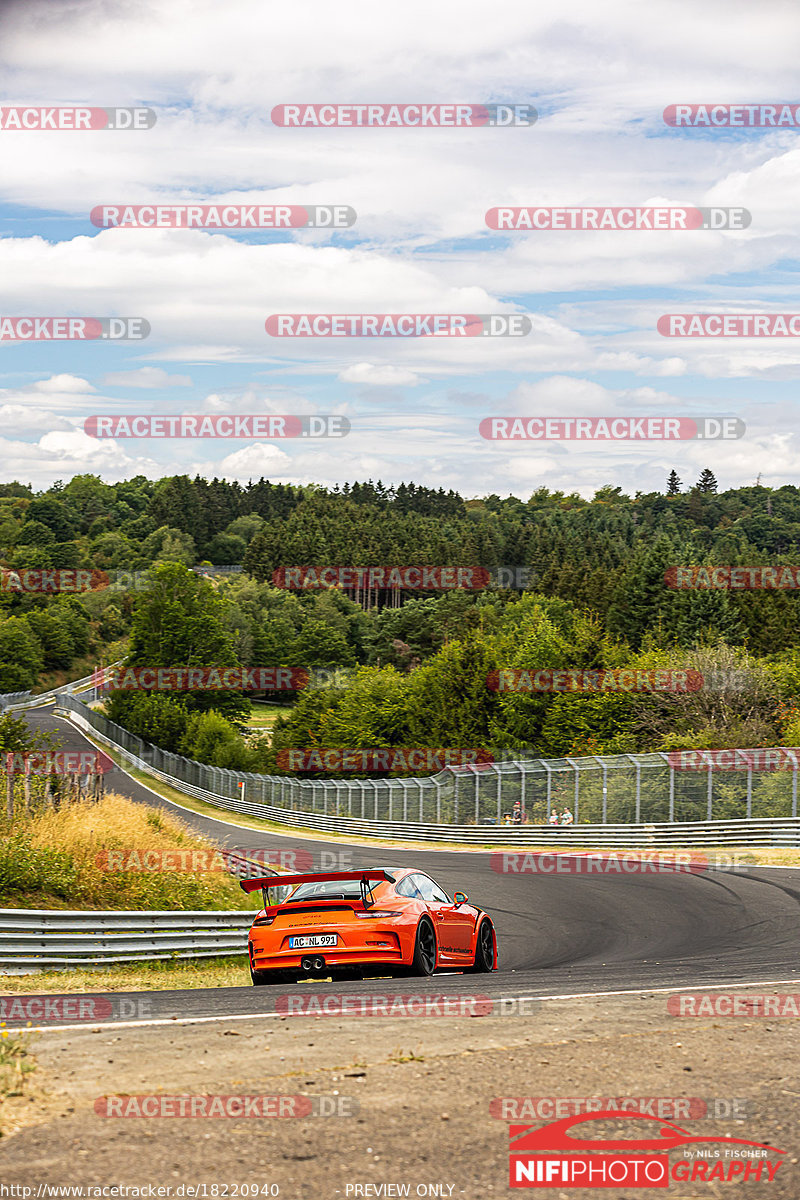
[(484, 948)]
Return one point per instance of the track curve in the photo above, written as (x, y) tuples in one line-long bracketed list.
[(557, 935)]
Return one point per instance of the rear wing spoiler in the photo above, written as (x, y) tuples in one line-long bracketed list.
[(268, 881)]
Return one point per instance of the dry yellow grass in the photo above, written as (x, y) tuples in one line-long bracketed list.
[(133, 977), (54, 858)]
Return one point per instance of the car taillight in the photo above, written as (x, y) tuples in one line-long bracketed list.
[(263, 920), (372, 912)]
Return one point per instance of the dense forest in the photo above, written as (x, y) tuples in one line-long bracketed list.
[(417, 662)]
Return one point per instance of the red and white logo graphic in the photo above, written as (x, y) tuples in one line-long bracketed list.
[(550, 1156)]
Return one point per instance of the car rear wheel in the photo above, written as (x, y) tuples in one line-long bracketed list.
[(424, 961), (484, 948)]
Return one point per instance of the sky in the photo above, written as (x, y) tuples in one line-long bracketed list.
[(599, 78)]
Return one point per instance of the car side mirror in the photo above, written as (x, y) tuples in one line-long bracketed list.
[(460, 897)]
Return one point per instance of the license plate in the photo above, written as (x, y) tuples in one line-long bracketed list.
[(313, 942)]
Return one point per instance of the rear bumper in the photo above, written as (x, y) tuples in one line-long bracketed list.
[(280, 957), (335, 957)]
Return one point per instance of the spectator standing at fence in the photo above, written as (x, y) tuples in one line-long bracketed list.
[(567, 817), (553, 818), (518, 815)]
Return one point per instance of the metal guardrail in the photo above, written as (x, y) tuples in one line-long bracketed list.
[(769, 831), (87, 686), (34, 940)]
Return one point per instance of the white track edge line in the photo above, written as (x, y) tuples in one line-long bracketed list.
[(177, 1021)]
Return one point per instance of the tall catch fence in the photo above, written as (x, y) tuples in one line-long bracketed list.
[(615, 790)]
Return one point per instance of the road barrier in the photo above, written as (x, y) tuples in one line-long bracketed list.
[(11, 699), (34, 940), (655, 799)]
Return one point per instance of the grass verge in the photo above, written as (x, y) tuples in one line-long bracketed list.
[(55, 859), (132, 977), (16, 1064)]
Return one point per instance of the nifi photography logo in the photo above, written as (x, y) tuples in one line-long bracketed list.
[(553, 1156)]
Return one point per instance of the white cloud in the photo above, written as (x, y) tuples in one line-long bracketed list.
[(146, 377), (379, 375), (63, 384)]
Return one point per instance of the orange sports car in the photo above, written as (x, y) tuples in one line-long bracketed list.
[(346, 924)]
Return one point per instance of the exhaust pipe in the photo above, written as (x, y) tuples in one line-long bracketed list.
[(312, 964)]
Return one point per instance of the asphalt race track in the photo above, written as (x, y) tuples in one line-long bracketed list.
[(558, 935)]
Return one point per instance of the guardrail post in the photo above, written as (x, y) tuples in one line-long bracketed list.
[(456, 781), (499, 796), (794, 786), (710, 797), (671, 793), (576, 801), (438, 802), (421, 799), (605, 794), (549, 786), (522, 780)]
